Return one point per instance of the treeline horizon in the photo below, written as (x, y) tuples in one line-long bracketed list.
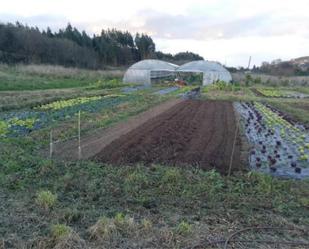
[(70, 47)]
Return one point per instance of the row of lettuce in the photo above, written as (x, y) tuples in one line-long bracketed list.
[(279, 93), (278, 147), (22, 122)]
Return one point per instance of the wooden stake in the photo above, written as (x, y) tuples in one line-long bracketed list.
[(51, 144), (233, 148), (79, 148)]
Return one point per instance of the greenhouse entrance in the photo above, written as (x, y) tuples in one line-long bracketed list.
[(211, 71), (162, 77), (190, 78), (150, 71)]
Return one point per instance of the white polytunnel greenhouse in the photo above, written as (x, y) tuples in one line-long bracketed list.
[(212, 71), (149, 71), (146, 70)]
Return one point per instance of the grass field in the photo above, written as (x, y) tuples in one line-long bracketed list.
[(38, 77), (55, 203)]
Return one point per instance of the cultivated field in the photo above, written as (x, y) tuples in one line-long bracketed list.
[(192, 133), (151, 169)]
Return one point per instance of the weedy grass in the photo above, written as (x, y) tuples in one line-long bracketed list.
[(165, 205), (46, 199), (298, 109), (184, 228), (63, 237), (111, 228), (228, 92), (34, 77), (59, 231)]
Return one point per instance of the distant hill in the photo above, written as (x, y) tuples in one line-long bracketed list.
[(294, 67)]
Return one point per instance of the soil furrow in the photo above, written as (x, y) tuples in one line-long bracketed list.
[(194, 132)]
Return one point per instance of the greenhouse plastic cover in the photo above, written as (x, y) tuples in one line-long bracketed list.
[(212, 71), (145, 70)]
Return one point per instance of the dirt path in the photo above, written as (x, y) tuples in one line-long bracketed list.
[(193, 132), (95, 142)]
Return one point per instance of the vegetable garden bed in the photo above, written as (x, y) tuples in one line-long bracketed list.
[(19, 123), (278, 147), (192, 133), (276, 93)]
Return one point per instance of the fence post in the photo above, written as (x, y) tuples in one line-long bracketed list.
[(234, 144), (79, 148), (51, 144)]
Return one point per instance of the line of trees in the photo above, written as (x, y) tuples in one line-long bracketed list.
[(284, 68), (69, 47)]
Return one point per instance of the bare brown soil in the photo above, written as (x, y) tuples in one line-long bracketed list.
[(95, 142), (194, 132)]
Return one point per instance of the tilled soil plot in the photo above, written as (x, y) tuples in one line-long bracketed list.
[(95, 142), (194, 132)]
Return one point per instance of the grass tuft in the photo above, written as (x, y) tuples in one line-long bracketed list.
[(171, 176), (104, 229), (59, 231), (146, 224), (184, 228), (111, 228), (46, 199)]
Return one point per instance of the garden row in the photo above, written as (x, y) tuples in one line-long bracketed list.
[(276, 93), (18, 123), (278, 147), (22, 122)]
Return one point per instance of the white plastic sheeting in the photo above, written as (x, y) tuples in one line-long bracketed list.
[(212, 71), (143, 71)]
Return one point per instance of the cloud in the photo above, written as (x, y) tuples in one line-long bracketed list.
[(236, 51), (221, 30), (198, 27), (164, 25), (202, 27), (55, 22)]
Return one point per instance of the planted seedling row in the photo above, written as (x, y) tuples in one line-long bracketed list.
[(21, 123), (278, 147), (276, 93)]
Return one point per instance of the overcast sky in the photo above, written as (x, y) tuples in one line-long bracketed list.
[(228, 31)]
